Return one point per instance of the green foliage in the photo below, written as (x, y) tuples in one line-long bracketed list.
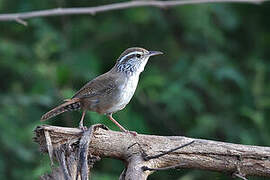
[(212, 82)]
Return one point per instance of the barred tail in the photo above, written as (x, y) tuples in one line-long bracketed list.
[(70, 105)]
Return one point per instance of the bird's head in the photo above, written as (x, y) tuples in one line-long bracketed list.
[(133, 60)]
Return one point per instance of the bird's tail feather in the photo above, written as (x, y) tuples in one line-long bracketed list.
[(69, 105)]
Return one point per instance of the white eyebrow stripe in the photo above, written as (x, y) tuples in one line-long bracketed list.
[(131, 53)]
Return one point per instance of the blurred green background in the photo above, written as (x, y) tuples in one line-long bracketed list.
[(213, 81)]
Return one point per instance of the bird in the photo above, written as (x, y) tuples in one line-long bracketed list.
[(110, 92)]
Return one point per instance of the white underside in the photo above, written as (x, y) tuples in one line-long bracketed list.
[(127, 91)]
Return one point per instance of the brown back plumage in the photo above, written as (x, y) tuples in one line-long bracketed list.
[(69, 105)]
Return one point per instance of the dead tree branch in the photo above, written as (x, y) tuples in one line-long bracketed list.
[(144, 154), (20, 17)]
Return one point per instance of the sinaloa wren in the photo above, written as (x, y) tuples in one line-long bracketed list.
[(109, 92)]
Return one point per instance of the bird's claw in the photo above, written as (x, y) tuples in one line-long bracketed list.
[(83, 128), (134, 133)]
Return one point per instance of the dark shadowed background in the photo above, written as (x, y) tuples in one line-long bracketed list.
[(212, 82)]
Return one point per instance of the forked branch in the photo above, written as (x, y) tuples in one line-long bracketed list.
[(145, 154), (20, 17)]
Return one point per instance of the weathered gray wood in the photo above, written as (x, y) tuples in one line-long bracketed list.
[(242, 160)]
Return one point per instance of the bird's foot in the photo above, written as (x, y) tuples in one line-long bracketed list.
[(134, 133), (83, 128)]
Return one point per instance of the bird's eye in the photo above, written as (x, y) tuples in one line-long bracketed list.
[(138, 55)]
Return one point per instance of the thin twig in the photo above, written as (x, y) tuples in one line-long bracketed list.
[(147, 158), (18, 17), (20, 21), (239, 173), (145, 168), (240, 176)]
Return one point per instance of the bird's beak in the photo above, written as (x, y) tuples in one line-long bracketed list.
[(154, 53)]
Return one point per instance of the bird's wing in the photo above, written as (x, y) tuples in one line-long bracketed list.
[(101, 85)]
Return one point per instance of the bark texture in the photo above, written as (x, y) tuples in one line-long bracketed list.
[(75, 150)]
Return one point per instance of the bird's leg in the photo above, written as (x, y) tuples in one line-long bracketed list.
[(121, 127), (117, 124), (81, 122)]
